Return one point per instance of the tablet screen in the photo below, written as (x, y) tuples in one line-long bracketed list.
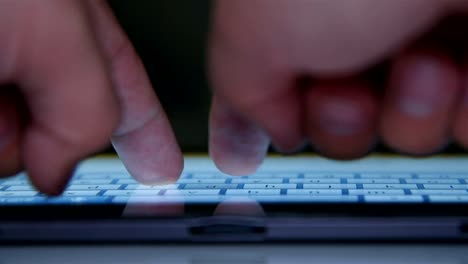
[(279, 181)]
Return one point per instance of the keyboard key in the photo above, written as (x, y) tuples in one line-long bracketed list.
[(127, 181), (255, 192), (440, 192), (22, 200), (213, 181), (311, 198), (393, 198), (258, 181), (15, 182), (151, 187), (77, 200), (390, 186), (315, 180), (94, 187), (103, 176), (191, 192), (167, 199), (446, 186), (21, 188), (386, 176), (92, 181), (210, 186), (330, 186), (17, 193), (375, 181), (131, 192), (19, 176), (314, 192), (447, 199), (433, 181), (271, 186), (442, 176), (376, 192), (184, 175), (327, 175), (273, 175), (79, 193)]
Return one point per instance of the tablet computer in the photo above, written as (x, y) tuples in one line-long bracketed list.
[(303, 198)]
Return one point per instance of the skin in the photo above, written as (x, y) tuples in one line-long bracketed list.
[(77, 76), (260, 48), (71, 81)]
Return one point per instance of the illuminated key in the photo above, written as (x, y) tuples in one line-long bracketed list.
[(376, 192), (313, 192), (315, 180), (254, 192), (191, 192), (271, 186), (374, 181), (330, 186), (258, 181), (433, 181), (390, 186), (386, 175), (446, 186), (17, 193)]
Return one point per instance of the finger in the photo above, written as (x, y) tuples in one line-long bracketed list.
[(460, 122), (144, 139), (341, 118), (255, 89), (12, 120), (237, 145), (419, 103), (66, 87)]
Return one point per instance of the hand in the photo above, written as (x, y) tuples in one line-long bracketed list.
[(261, 48), (76, 83)]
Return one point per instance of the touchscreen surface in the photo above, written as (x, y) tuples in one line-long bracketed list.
[(376, 179)]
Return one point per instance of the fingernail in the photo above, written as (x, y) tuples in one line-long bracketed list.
[(341, 118), (419, 88)]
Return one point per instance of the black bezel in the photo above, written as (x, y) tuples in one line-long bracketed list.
[(115, 211)]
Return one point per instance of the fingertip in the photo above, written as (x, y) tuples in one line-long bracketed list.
[(342, 118), (236, 144), (49, 162), (418, 107), (233, 165), (150, 153)]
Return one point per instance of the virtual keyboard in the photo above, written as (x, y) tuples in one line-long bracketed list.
[(320, 187)]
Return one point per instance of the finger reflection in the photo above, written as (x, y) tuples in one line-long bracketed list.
[(241, 206), (167, 201), (155, 204)]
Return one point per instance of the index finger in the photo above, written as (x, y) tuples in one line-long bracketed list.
[(144, 139)]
